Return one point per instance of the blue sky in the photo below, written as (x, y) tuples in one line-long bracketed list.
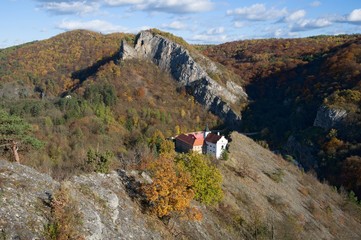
[(197, 21)]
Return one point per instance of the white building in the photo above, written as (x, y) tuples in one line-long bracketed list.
[(202, 142), (215, 144)]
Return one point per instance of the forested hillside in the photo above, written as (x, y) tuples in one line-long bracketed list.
[(288, 80), (78, 97), (83, 102)]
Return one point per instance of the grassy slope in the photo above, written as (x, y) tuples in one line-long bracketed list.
[(263, 190)]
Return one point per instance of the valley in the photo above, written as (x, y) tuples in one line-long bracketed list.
[(92, 114)]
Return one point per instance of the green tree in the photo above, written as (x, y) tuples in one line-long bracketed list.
[(99, 161), (206, 178), (156, 141), (14, 131)]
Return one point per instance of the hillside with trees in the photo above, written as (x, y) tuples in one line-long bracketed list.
[(71, 109), (288, 80), (77, 98)]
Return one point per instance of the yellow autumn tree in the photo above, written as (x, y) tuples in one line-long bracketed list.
[(170, 193)]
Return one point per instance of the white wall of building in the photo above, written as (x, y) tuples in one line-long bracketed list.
[(221, 146), (216, 149)]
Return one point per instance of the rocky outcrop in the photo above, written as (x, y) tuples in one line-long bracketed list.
[(107, 203), (328, 117), (24, 195), (107, 210), (176, 60)]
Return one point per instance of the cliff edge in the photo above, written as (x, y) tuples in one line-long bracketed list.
[(177, 60)]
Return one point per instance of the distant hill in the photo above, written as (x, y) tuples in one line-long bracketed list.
[(49, 64), (288, 82)]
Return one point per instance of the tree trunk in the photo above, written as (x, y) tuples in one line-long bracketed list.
[(14, 149)]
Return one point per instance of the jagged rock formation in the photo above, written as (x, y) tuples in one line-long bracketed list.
[(176, 60), (328, 117)]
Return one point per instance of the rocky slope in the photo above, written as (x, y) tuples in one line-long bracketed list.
[(265, 196), (177, 60)]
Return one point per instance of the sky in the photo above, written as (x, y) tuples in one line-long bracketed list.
[(197, 21)]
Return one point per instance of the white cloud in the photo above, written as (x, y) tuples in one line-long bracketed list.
[(295, 16), (282, 33), (175, 6), (310, 24), (167, 6), (215, 31), (355, 16), (94, 25), (352, 18), (239, 24), (257, 12), (74, 7), (122, 2), (205, 38), (212, 35), (315, 4), (175, 25)]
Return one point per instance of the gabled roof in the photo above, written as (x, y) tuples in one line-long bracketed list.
[(213, 138), (191, 139)]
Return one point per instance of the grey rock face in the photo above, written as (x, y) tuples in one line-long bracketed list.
[(176, 60), (107, 210), (106, 202), (23, 197), (329, 117)]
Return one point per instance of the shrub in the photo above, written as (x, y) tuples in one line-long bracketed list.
[(276, 176), (170, 192), (207, 179), (225, 155), (99, 161), (65, 217)]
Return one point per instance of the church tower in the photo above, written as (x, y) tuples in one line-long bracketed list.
[(206, 132)]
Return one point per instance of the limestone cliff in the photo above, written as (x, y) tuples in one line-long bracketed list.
[(328, 117), (177, 60), (106, 203)]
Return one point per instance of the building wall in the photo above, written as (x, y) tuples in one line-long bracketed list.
[(181, 146), (198, 149), (221, 146), (211, 149), (216, 149)]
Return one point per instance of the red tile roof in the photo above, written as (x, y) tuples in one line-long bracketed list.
[(191, 139)]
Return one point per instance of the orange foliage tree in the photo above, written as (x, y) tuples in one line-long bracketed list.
[(170, 192)]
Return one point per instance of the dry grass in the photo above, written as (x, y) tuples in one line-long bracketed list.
[(296, 204)]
